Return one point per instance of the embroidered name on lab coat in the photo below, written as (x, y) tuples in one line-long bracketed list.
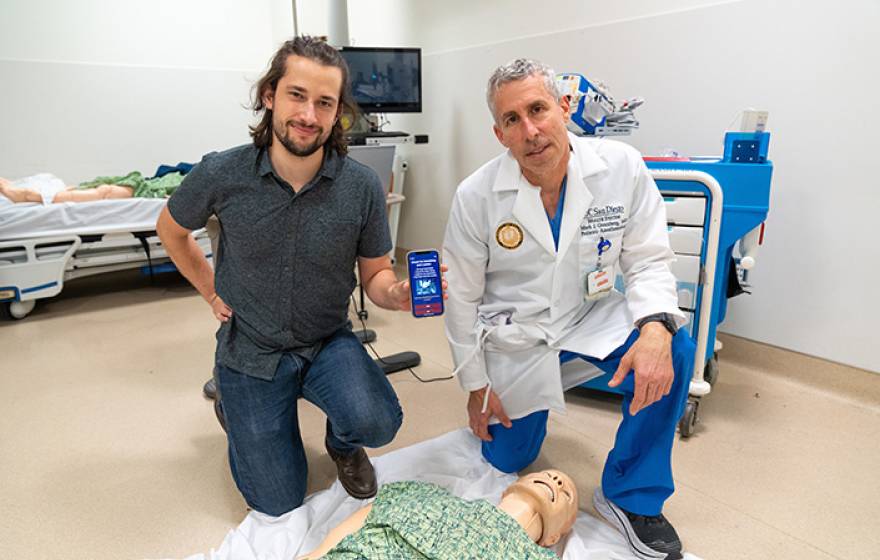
[(603, 220)]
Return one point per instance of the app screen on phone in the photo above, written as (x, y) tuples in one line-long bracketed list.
[(424, 279)]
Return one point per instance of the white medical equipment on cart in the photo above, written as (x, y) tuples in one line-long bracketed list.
[(593, 112)]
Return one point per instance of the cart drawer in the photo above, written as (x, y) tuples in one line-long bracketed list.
[(689, 324), (686, 270), (686, 240), (685, 210)]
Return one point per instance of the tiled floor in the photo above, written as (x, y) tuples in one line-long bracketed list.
[(108, 450)]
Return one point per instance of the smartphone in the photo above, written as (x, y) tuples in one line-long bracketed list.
[(425, 283)]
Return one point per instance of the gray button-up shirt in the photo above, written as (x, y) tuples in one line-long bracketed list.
[(286, 260)]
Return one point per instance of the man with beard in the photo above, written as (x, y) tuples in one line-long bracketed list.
[(296, 214)]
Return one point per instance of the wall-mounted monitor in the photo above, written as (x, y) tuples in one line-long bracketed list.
[(385, 79)]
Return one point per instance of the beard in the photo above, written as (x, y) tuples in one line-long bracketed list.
[(280, 131)]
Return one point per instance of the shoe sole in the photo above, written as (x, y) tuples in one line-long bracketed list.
[(617, 519), (372, 493)]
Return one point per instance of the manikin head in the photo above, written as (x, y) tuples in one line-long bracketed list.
[(552, 497)]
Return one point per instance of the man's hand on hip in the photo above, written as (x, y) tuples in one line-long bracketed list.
[(651, 358), (479, 420), (221, 311)]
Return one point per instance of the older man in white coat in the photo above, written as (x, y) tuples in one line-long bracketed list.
[(534, 241)]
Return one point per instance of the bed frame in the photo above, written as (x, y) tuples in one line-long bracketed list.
[(37, 268)]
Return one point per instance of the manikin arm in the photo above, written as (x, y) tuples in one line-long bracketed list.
[(351, 524)]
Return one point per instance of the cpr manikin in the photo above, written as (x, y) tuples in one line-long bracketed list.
[(543, 503), (419, 520)]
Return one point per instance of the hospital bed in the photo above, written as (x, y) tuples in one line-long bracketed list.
[(715, 208), (44, 246)]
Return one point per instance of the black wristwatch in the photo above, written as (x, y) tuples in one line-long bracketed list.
[(664, 318)]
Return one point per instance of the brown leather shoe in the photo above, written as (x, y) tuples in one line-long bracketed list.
[(355, 473), (218, 412)]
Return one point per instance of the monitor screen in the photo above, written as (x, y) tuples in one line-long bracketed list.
[(385, 80)]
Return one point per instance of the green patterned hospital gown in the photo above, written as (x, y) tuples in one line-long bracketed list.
[(157, 187), (421, 521)]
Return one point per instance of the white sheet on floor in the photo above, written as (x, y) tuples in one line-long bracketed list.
[(452, 460)]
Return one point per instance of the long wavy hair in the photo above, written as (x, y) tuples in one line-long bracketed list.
[(319, 51)]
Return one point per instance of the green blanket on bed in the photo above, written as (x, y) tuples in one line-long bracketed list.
[(157, 187)]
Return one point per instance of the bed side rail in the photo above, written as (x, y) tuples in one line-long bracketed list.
[(34, 268)]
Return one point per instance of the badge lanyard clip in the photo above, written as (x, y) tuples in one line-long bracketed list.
[(602, 247)]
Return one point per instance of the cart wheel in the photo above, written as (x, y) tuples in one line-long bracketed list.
[(21, 309), (689, 419), (710, 373)]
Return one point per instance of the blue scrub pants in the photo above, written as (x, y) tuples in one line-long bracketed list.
[(638, 470)]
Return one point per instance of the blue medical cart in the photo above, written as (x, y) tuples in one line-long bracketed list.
[(711, 203)]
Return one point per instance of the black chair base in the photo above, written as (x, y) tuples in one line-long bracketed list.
[(397, 362), (365, 335)]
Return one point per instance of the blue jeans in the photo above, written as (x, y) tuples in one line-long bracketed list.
[(638, 470), (266, 452)]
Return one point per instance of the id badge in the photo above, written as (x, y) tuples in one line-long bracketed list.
[(599, 283)]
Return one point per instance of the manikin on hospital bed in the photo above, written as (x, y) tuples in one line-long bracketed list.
[(43, 246)]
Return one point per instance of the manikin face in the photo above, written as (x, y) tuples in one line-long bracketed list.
[(554, 497), (304, 105), (531, 124)]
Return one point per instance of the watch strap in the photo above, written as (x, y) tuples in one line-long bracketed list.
[(664, 318)]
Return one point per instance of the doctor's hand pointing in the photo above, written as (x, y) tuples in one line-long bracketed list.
[(650, 357), (479, 420)]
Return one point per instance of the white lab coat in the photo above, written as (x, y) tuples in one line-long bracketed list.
[(511, 310)]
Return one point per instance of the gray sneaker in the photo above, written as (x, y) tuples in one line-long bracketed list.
[(649, 537)]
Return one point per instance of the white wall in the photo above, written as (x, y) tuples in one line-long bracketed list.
[(371, 23), (101, 86), (697, 64), (104, 87)]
